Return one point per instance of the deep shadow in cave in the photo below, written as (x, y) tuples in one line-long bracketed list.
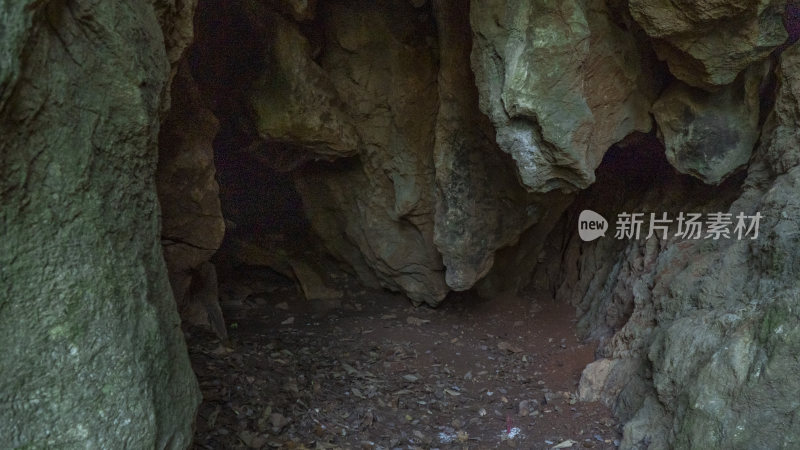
[(367, 368), (315, 358), (359, 367), (313, 170)]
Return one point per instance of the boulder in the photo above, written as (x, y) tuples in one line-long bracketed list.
[(710, 134)]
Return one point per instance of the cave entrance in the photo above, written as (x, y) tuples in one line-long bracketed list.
[(355, 365), (373, 371)]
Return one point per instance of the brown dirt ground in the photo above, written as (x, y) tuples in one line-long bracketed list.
[(371, 371)]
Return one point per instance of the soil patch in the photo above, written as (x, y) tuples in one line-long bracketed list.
[(371, 371)]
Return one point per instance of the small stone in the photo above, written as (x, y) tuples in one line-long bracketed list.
[(278, 421), (524, 408), (509, 347), (416, 321)]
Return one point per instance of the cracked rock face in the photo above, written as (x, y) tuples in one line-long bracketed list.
[(93, 354), (710, 135), (561, 82), (435, 146), (707, 43), (698, 335)]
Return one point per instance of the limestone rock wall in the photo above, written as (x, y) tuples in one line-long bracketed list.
[(92, 353), (422, 173), (697, 336), (192, 226), (480, 205), (707, 43), (435, 146), (380, 58), (561, 82), (449, 139)]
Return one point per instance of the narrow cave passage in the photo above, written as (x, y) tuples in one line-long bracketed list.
[(315, 355), (303, 349), (363, 220), (343, 210), (363, 367)]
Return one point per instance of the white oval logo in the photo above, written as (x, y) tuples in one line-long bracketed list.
[(591, 225)]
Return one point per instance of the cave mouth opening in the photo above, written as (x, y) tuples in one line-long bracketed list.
[(308, 353), (353, 367), (357, 364)]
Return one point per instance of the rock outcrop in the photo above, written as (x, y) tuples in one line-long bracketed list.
[(480, 205), (707, 43), (417, 197), (192, 226), (699, 334), (295, 102), (710, 135), (561, 82), (376, 213), (93, 355)]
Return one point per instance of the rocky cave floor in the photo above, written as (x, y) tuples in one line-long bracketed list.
[(369, 370)]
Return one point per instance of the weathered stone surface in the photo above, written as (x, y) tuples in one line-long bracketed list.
[(594, 379), (480, 205), (561, 82), (192, 225), (204, 309), (710, 135), (92, 352), (708, 43), (311, 281), (376, 214), (356, 228), (295, 101), (713, 322)]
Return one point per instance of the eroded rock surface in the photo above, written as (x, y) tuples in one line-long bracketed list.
[(702, 331), (480, 205), (707, 43), (710, 135), (375, 213), (295, 101), (92, 353), (192, 224), (431, 198), (561, 82)]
